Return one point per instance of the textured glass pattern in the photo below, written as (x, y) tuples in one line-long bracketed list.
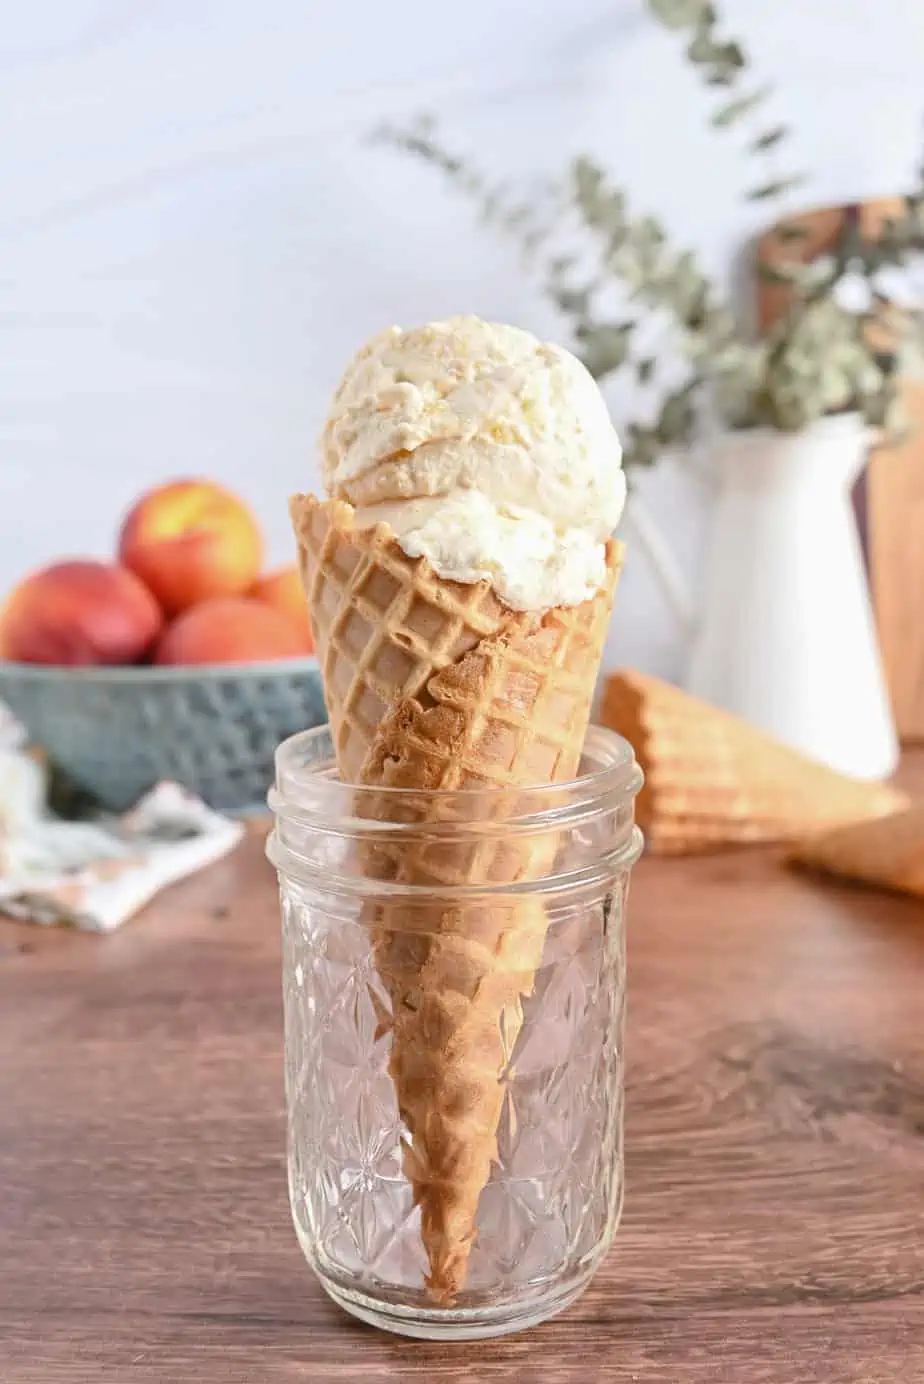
[(552, 1201)]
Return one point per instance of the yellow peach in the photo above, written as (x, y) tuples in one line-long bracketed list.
[(283, 591), (229, 629), (190, 541), (79, 612)]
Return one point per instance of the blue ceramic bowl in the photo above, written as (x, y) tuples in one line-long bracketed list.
[(116, 731)]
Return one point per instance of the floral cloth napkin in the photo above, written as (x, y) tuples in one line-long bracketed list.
[(96, 874)]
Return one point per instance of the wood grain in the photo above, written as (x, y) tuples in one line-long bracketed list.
[(774, 1230), (893, 493), (895, 508)]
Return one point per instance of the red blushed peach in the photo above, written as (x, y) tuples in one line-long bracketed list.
[(230, 629), (283, 591), (190, 541), (79, 612)]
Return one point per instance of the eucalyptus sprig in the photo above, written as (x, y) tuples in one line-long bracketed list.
[(820, 356), (723, 62)]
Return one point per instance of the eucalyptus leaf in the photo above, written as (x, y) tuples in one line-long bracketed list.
[(769, 139), (676, 419), (587, 179), (688, 289), (806, 276), (896, 419), (774, 273), (604, 348), (836, 388), (875, 409), (679, 14), (727, 61), (736, 110), (642, 446), (792, 231), (702, 48), (649, 233), (603, 209), (774, 189), (869, 379), (573, 301)]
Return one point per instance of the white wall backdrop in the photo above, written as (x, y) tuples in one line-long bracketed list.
[(194, 236)]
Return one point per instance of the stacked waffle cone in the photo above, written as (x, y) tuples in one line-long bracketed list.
[(431, 684), (886, 854), (712, 780)]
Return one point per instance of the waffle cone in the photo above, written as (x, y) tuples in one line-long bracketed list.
[(887, 853), (432, 684), (713, 780)]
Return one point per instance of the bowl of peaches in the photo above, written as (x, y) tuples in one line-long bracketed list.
[(179, 659)]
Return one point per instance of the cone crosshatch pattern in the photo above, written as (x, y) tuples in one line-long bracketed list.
[(385, 623), (713, 780), (435, 685)]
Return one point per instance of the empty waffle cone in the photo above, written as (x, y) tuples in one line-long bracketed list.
[(431, 684), (713, 780), (887, 853)]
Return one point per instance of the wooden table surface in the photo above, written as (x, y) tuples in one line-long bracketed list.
[(774, 1226)]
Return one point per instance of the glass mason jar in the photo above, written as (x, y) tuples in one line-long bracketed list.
[(454, 984)]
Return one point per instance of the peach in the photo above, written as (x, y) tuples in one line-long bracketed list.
[(283, 591), (190, 541), (79, 612), (229, 629)]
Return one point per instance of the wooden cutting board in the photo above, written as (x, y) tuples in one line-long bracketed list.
[(891, 506)]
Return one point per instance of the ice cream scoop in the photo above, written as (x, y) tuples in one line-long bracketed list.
[(488, 452)]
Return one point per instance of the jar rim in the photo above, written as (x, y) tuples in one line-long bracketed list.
[(306, 779), (317, 815)]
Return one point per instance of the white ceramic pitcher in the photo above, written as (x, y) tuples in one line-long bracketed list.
[(786, 637)]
